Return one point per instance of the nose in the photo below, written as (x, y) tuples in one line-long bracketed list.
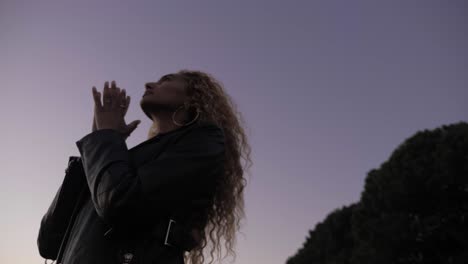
[(148, 86)]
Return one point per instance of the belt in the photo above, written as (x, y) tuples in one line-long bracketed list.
[(167, 232), (173, 234)]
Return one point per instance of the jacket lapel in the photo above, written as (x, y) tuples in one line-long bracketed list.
[(145, 153), (152, 148)]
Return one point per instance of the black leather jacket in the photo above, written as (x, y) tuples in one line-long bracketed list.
[(115, 204)]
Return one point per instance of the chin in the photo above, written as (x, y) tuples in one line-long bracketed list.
[(145, 107), (144, 103), (148, 103), (145, 100)]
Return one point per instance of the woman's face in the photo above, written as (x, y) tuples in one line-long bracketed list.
[(166, 94)]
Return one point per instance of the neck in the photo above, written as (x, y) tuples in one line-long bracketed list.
[(164, 122)]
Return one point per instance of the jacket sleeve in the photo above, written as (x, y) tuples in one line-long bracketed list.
[(121, 192), (55, 221)]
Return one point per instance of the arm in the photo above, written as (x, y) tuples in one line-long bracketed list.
[(120, 192), (55, 220)]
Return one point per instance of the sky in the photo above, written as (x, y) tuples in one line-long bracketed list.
[(328, 89)]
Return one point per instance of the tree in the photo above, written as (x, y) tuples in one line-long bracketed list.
[(413, 208), (330, 241)]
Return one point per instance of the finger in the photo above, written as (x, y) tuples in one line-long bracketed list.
[(118, 100), (118, 90), (115, 94), (122, 95), (127, 103), (97, 98), (113, 85), (123, 101), (107, 96)]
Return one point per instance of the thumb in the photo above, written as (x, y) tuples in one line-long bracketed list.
[(132, 126)]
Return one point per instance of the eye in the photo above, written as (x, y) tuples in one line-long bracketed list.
[(166, 77)]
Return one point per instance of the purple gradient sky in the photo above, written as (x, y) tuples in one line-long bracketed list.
[(328, 90)]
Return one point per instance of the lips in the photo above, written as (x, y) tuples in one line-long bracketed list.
[(147, 92)]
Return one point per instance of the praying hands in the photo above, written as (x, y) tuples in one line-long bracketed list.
[(110, 113)]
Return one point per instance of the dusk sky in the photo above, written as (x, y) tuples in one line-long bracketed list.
[(328, 90)]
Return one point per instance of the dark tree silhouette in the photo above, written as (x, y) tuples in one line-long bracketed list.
[(329, 242), (413, 209)]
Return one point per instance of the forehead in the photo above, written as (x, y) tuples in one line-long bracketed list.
[(171, 77)]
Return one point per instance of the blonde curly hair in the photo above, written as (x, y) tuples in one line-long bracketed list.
[(214, 105)]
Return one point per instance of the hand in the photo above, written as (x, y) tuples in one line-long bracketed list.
[(94, 128), (110, 114)]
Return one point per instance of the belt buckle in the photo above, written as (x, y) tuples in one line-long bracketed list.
[(167, 232)]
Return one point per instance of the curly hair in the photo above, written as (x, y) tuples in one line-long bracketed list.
[(206, 94)]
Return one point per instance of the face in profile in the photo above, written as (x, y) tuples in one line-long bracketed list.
[(167, 94)]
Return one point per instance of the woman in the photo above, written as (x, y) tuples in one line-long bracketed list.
[(158, 201)]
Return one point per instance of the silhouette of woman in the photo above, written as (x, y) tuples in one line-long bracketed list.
[(159, 200)]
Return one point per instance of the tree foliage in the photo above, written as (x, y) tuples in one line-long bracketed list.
[(413, 208)]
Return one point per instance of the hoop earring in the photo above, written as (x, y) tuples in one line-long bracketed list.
[(175, 122)]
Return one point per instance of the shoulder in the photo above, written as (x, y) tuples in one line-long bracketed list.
[(206, 129), (207, 124), (203, 134)]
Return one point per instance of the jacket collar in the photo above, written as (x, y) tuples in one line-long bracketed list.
[(144, 152), (162, 136)]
